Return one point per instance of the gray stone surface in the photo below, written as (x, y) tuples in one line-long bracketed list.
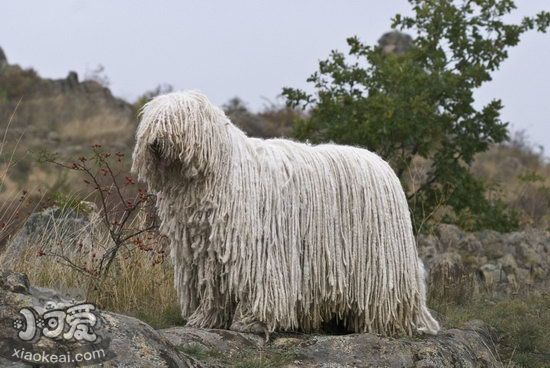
[(54, 231), (494, 261), (471, 346), (132, 343), (127, 341), (395, 42)]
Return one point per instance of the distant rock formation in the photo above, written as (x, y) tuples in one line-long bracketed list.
[(395, 42), (3, 59), (62, 113)]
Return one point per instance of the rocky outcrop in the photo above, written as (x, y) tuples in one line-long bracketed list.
[(486, 260), (395, 42), (59, 232), (471, 346), (3, 58), (128, 342), (121, 341), (68, 111)]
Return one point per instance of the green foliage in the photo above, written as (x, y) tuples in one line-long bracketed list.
[(199, 352), (168, 316), (419, 102)]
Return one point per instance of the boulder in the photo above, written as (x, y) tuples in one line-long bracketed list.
[(471, 346), (497, 262), (54, 230), (3, 58), (123, 341), (395, 42), (128, 342)]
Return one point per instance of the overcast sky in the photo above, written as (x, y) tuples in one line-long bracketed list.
[(245, 48)]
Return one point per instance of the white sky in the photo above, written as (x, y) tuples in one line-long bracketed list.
[(245, 48)]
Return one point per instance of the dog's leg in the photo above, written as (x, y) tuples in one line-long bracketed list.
[(244, 321), (211, 314)]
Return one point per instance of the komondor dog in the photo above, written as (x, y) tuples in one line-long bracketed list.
[(278, 234)]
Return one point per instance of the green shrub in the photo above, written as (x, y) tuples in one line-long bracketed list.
[(418, 101)]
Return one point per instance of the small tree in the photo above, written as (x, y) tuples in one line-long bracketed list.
[(418, 101)]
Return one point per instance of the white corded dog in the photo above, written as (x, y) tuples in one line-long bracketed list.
[(276, 233)]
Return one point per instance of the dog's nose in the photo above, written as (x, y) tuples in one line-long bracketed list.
[(155, 148)]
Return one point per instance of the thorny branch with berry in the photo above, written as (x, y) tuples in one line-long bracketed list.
[(120, 201)]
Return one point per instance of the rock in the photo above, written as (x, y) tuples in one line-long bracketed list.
[(427, 248), (508, 264), (469, 347), (72, 78), (470, 243), (494, 243), (15, 282), (491, 275), (450, 236), (3, 58), (126, 341), (500, 262), (395, 43), (222, 341), (54, 231)]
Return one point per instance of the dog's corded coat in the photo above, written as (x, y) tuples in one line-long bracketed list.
[(295, 234)]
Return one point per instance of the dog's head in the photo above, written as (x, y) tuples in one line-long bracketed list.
[(180, 135)]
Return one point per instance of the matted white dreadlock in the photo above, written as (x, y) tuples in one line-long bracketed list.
[(295, 235)]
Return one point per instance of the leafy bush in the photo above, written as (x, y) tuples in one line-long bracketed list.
[(405, 102)]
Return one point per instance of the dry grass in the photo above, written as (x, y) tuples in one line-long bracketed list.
[(135, 287), (105, 127), (139, 283)]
